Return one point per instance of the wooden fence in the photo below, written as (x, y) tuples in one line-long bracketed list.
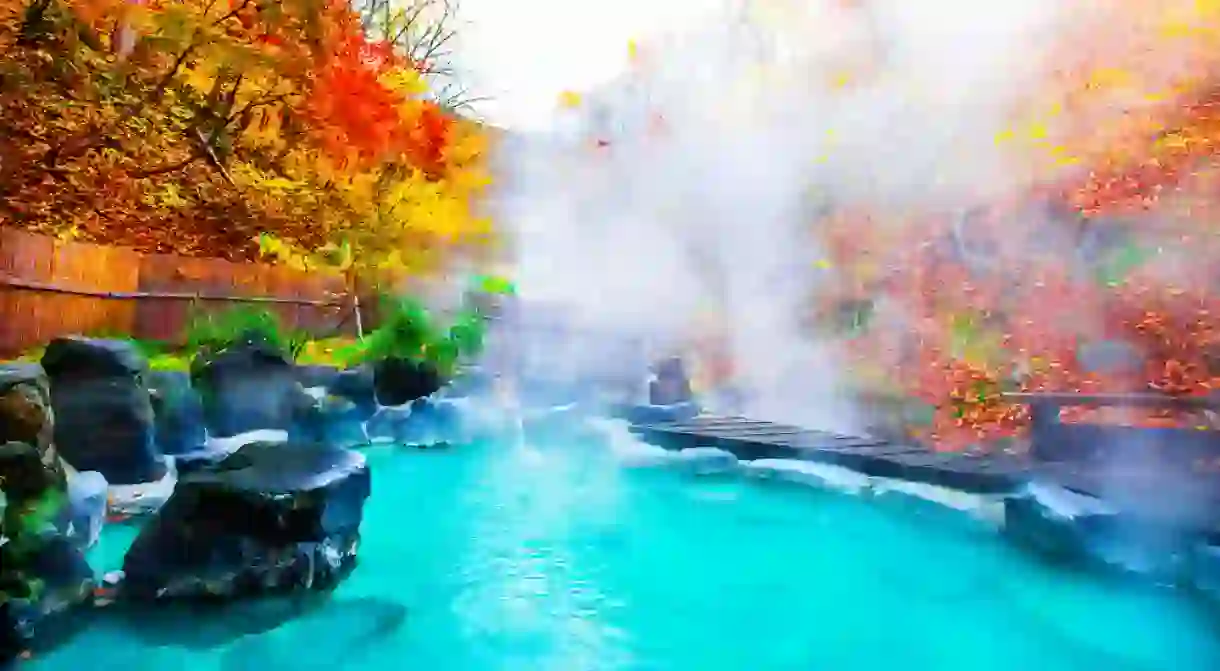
[(50, 288)]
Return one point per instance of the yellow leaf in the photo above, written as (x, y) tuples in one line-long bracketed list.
[(569, 99)]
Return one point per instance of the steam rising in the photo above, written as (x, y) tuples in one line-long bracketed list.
[(725, 141)]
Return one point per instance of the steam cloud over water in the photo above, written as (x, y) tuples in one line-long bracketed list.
[(680, 199)]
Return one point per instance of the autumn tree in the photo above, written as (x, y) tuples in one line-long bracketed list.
[(234, 128)]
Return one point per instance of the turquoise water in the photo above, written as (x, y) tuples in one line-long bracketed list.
[(556, 558)]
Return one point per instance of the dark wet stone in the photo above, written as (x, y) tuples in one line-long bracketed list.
[(332, 420), (103, 411), (341, 631), (72, 356), (430, 423), (671, 385), (356, 385), (316, 375), (654, 414), (45, 581), (178, 412), (26, 414), (401, 381), (248, 387), (24, 476), (271, 517), (198, 460), (1076, 528)]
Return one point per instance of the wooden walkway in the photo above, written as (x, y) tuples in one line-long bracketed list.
[(1151, 493), (754, 439)]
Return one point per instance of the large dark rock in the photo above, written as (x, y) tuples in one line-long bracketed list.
[(44, 588), (1076, 528), (316, 375), (271, 517), (178, 410), (671, 384), (248, 387), (356, 385), (334, 420), (43, 575), (400, 381), (103, 412), (26, 415)]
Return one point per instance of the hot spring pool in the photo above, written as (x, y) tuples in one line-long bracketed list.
[(558, 558)]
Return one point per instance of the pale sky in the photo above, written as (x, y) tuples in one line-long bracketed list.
[(524, 53)]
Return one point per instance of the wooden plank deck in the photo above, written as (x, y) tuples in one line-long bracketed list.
[(756, 439)]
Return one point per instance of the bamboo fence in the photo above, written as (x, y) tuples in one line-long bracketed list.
[(50, 288)]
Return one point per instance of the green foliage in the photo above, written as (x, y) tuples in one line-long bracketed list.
[(214, 332), (25, 527), (409, 331)]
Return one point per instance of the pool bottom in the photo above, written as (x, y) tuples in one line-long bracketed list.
[(544, 557)]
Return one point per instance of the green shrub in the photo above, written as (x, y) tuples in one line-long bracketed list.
[(409, 331), (214, 332)]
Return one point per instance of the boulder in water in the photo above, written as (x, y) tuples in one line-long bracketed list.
[(657, 414), (316, 375), (356, 385), (178, 411), (103, 411), (401, 381), (671, 384), (271, 517), (248, 387), (706, 460), (43, 575), (1073, 527), (332, 420), (26, 415)]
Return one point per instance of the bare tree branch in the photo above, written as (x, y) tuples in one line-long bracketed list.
[(423, 31)]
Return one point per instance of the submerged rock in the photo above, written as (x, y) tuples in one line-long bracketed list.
[(342, 631), (1205, 569), (316, 375), (706, 460), (44, 593), (401, 381), (43, 575), (271, 517), (248, 387), (423, 422), (178, 411), (1078, 528), (103, 411), (332, 420)]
